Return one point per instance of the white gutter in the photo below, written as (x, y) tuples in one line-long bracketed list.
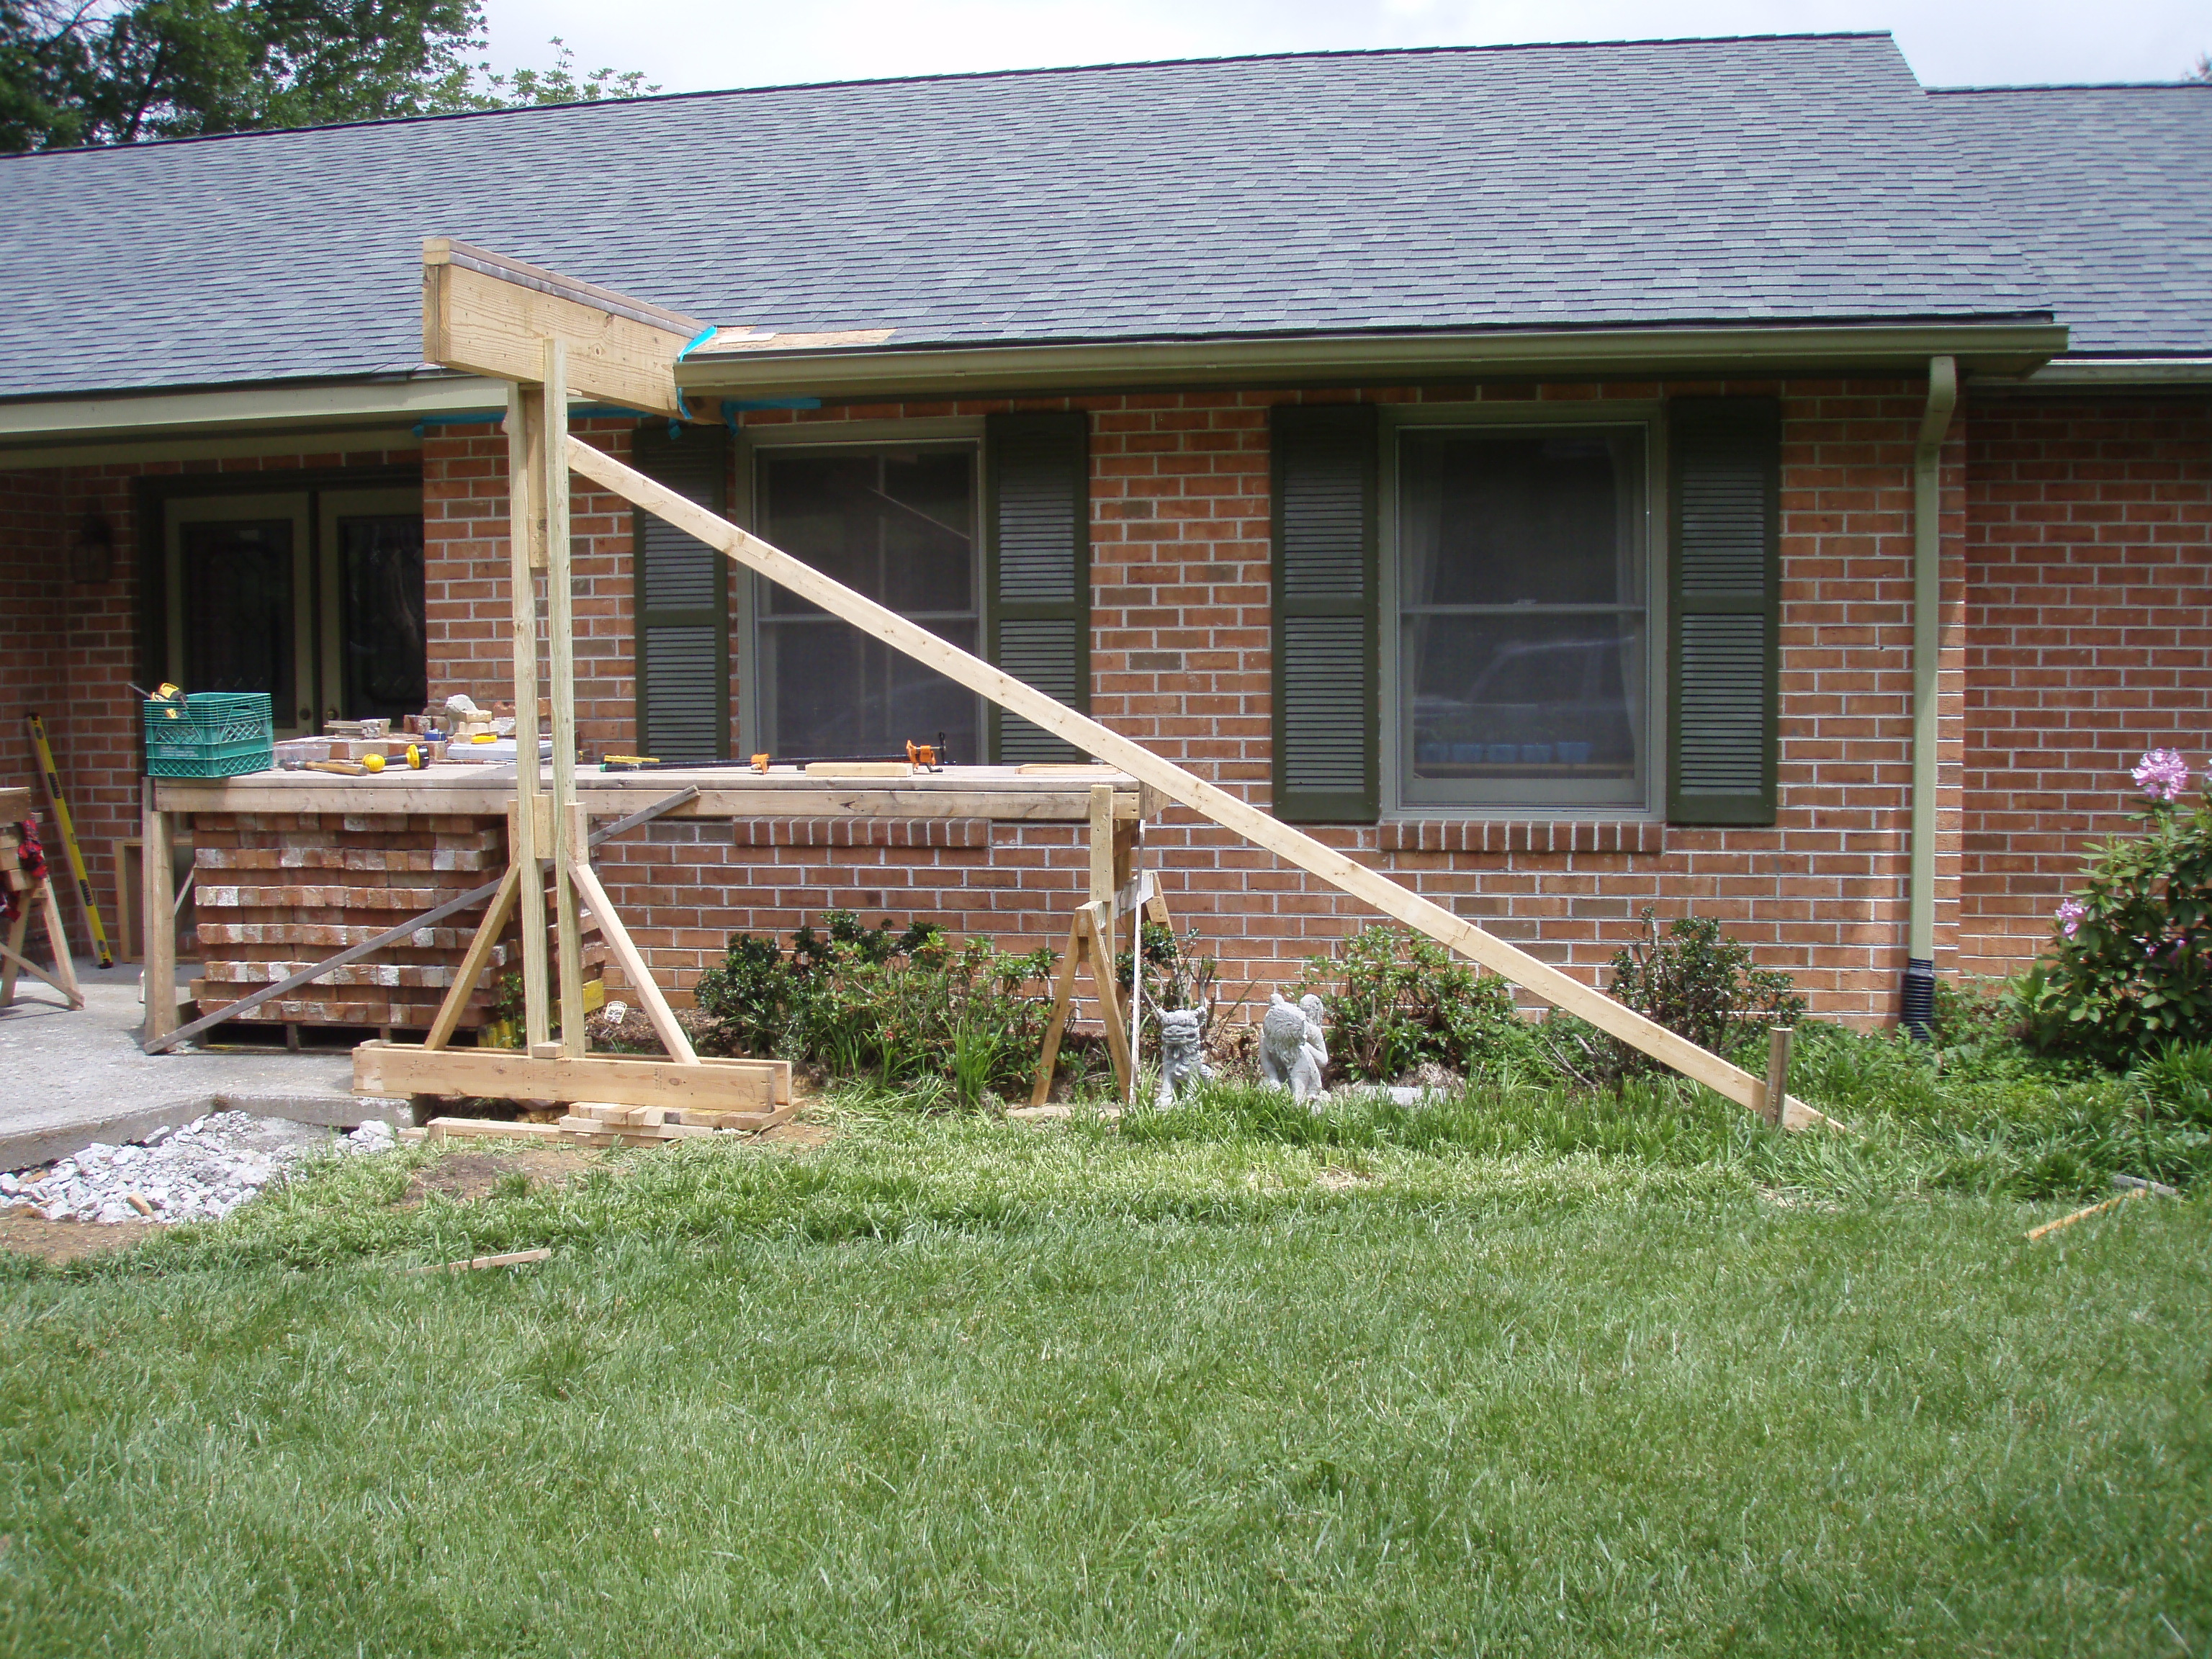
[(1927, 653)]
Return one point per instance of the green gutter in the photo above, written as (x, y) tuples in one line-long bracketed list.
[(1927, 656), (2009, 349)]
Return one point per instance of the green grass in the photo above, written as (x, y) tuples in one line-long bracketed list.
[(1518, 1374)]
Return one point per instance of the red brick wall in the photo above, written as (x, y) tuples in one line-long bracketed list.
[(2088, 545), (1181, 659), (84, 654)]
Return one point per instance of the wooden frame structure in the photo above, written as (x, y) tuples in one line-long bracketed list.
[(495, 316), (30, 898)]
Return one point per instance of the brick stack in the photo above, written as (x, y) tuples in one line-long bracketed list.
[(278, 891)]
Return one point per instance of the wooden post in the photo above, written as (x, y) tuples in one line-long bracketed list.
[(160, 980), (526, 458), (561, 628), (1777, 1072)]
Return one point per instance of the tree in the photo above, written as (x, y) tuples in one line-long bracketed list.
[(116, 71)]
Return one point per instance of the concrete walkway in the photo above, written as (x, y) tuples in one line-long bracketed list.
[(69, 1078)]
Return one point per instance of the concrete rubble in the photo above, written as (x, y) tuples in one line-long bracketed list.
[(200, 1172)]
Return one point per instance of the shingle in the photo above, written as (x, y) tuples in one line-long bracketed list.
[(1777, 180)]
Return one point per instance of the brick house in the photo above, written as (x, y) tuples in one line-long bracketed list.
[(1530, 464)]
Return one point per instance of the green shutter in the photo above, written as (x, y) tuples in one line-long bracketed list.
[(1725, 579), (1036, 516), (683, 610), (1326, 685)]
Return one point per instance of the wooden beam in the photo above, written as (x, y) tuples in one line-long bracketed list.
[(568, 826), (489, 315), (1208, 800), (726, 1085), (642, 984), (157, 908), (525, 454), (475, 959)]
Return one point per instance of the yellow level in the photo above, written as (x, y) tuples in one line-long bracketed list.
[(69, 837)]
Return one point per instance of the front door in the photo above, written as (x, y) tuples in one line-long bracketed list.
[(315, 597)]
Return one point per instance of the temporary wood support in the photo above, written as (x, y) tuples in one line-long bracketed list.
[(407, 1068), (1208, 800)]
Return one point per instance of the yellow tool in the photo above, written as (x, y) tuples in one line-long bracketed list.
[(417, 757), (53, 778), (373, 762)]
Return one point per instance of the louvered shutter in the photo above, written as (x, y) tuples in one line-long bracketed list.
[(1327, 757), (1725, 579), (1037, 469), (682, 613)]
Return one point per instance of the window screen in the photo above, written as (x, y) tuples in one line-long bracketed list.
[(1523, 619), (898, 525), (381, 623)]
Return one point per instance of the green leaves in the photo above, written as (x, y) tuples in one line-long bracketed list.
[(1405, 1000), (2130, 966), (71, 74)]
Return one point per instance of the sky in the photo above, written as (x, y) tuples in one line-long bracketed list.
[(691, 46)]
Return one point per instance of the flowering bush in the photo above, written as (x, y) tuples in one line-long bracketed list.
[(2130, 964)]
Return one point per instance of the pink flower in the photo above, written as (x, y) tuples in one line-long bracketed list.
[(2162, 774), (2070, 916)]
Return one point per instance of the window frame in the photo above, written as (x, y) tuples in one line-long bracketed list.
[(1500, 418), (851, 437)]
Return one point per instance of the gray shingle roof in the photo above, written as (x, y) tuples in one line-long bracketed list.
[(2105, 192), (1759, 181)]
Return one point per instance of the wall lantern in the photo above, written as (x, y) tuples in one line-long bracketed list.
[(91, 555)]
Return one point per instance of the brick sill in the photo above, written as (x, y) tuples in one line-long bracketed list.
[(1643, 836)]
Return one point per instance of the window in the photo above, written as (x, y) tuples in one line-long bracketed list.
[(1522, 626), (897, 524)]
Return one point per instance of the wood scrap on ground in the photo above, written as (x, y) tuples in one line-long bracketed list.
[(512, 1259), (2129, 1186), (604, 1123)]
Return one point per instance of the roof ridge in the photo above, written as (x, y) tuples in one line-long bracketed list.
[(965, 74), (2072, 86)]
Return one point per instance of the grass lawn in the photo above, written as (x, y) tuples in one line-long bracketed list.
[(1514, 1376)]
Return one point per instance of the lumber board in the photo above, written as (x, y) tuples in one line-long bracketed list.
[(569, 825), (1294, 846), (475, 959), (396, 1069), (158, 918), (632, 960), (526, 431), (511, 1258), (485, 792), (489, 315)]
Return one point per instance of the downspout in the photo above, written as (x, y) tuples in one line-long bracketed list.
[(1927, 646)]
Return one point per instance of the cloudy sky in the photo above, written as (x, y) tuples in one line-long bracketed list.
[(689, 46)]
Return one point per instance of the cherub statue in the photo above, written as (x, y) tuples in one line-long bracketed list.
[(1182, 1052), (1293, 1053)]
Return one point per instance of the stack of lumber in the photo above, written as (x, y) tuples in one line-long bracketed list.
[(594, 1124), (278, 891)]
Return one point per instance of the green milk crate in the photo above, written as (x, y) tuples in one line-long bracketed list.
[(210, 734)]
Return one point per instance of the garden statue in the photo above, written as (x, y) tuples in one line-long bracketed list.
[(1292, 1052), (1182, 1054)]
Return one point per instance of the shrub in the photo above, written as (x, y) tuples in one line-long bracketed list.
[(900, 1006), (1400, 1000), (1692, 979), (2130, 968)]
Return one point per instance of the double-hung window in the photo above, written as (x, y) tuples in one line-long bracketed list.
[(1523, 618), (899, 525), (1526, 616)]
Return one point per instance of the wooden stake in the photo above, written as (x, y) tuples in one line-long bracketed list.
[(512, 1259), (1777, 1072), (633, 966), (2034, 1233), (526, 459)]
